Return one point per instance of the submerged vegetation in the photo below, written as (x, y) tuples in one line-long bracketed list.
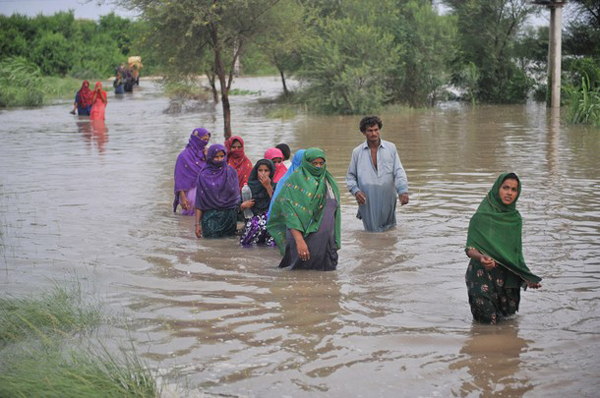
[(44, 351), (584, 104)]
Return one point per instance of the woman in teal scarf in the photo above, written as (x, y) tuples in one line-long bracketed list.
[(497, 269), (305, 217)]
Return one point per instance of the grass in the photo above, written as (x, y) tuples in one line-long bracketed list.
[(186, 90), (52, 371), (22, 84), (43, 354), (58, 311), (584, 104)]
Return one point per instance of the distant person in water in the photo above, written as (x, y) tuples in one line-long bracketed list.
[(217, 196), (260, 184), (305, 220), (375, 176), (236, 158), (99, 101), (497, 269), (276, 156), (285, 150), (83, 100), (118, 84), (189, 163)]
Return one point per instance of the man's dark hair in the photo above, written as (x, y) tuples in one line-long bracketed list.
[(369, 121), (285, 149)]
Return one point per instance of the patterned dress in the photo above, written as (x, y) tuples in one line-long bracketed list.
[(255, 232)]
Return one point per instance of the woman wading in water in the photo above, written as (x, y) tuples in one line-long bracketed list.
[(497, 269)]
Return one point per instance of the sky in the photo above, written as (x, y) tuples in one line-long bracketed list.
[(82, 8)]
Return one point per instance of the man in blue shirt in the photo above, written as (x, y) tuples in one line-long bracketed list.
[(375, 176)]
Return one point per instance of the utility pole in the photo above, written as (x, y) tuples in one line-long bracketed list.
[(554, 50)]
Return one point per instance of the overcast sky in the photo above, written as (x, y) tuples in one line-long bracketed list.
[(82, 8)]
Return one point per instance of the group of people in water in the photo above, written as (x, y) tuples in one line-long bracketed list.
[(296, 207), (90, 103)]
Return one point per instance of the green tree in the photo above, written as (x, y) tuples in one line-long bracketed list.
[(488, 30), (184, 32), (52, 52)]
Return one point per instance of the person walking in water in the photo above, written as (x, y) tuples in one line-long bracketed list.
[(375, 176), (99, 101), (497, 269), (83, 100)]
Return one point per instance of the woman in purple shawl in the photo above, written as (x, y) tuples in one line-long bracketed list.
[(217, 196), (189, 163)]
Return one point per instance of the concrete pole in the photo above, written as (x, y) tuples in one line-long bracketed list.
[(554, 53)]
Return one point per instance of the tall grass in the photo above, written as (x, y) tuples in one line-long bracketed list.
[(584, 104), (22, 84), (43, 354), (52, 371), (58, 311)]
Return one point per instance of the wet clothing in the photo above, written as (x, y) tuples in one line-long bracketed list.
[(219, 223), (489, 297), (296, 162), (238, 160), (99, 105), (495, 231), (255, 231), (321, 244), (309, 202), (83, 99), (217, 195), (380, 185), (187, 167)]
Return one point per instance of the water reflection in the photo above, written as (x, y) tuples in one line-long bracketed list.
[(493, 361), (94, 132)]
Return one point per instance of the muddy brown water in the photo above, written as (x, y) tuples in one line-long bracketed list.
[(92, 202)]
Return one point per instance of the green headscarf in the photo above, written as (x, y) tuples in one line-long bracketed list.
[(301, 203), (495, 230)]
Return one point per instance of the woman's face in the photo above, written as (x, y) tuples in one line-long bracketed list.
[(205, 138), (318, 162), (277, 160), (263, 171), (219, 156), (509, 191), (236, 145)]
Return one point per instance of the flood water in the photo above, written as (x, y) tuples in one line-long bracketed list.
[(93, 203)]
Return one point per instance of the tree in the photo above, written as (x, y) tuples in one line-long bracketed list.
[(488, 30), (185, 32)]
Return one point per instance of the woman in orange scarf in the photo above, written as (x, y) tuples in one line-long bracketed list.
[(99, 101), (237, 159)]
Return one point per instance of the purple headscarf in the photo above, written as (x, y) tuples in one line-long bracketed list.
[(189, 163), (218, 187)]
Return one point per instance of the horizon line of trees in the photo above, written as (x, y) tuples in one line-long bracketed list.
[(351, 56)]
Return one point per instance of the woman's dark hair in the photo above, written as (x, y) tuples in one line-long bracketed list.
[(511, 176), (369, 121), (285, 149)]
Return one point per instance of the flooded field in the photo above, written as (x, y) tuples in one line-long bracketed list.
[(93, 202)]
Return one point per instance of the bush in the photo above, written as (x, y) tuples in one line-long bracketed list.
[(52, 53), (20, 83)]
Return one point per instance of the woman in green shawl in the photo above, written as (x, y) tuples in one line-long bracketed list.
[(305, 218), (497, 269)]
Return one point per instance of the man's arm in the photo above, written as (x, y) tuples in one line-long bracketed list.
[(352, 175), (400, 180)]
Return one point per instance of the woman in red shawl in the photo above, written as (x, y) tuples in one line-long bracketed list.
[(275, 155), (83, 100), (237, 159), (99, 101)]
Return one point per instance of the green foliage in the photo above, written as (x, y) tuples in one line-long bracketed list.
[(20, 83), (52, 53), (488, 31), (55, 312), (577, 69), (344, 69), (584, 104)]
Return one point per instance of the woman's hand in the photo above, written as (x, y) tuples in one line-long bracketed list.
[(264, 180), (303, 252), (183, 202), (532, 285), (248, 204), (487, 262), (198, 231)]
